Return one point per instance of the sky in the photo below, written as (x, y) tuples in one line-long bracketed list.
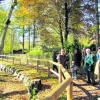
[(6, 4), (99, 5)]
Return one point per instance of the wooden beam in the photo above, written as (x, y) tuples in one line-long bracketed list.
[(70, 91), (54, 72), (59, 90)]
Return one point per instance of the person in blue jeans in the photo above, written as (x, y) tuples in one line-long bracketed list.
[(74, 70)]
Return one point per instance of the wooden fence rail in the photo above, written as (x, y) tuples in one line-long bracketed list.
[(64, 78)]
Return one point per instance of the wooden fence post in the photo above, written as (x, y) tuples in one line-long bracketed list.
[(37, 65), (2, 58), (27, 61), (60, 74), (13, 60), (7, 58), (48, 64), (70, 91)]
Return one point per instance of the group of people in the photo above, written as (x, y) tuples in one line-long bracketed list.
[(82, 61)]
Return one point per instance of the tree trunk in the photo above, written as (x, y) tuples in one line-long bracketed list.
[(61, 35), (34, 35), (29, 36), (23, 39), (12, 43), (6, 25), (97, 23), (66, 22)]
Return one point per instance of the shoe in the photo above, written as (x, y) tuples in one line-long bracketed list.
[(88, 82), (94, 83)]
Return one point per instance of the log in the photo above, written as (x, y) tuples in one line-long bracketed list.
[(36, 84)]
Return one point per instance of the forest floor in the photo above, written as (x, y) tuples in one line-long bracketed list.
[(12, 89)]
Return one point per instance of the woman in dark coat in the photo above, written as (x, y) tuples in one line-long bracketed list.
[(77, 58)]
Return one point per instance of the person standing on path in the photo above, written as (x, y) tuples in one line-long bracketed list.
[(62, 58), (77, 58), (89, 66), (97, 68)]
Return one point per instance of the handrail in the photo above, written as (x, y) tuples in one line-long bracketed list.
[(67, 82), (55, 94)]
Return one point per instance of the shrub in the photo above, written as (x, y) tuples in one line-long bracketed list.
[(36, 52)]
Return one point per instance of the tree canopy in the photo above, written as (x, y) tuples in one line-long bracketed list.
[(50, 22)]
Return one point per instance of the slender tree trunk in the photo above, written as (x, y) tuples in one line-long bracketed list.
[(34, 32), (6, 25), (12, 43), (66, 21), (23, 38), (97, 23), (61, 35), (29, 36)]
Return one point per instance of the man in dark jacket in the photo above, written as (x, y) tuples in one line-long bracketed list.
[(62, 58)]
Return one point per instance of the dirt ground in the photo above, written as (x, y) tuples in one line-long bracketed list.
[(12, 89)]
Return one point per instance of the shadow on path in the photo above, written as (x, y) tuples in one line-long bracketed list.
[(89, 95), (13, 93)]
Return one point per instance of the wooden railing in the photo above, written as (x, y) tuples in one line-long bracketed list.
[(65, 83), (64, 77)]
